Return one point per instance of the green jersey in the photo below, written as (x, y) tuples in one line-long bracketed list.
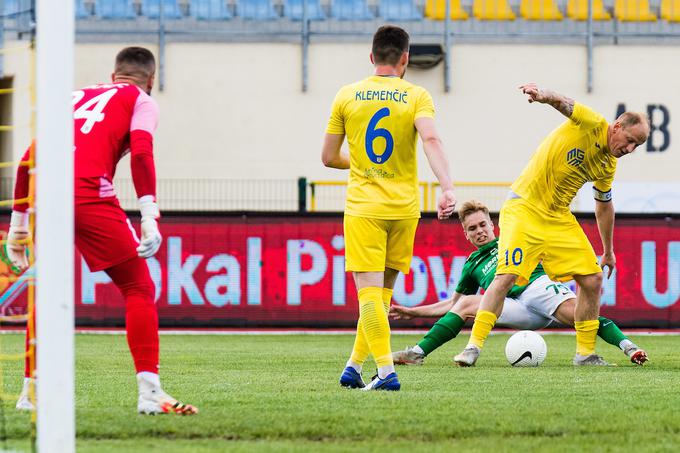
[(480, 269)]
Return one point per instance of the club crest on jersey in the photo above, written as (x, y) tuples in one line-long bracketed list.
[(575, 157)]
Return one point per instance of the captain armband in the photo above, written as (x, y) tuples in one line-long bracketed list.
[(602, 196)]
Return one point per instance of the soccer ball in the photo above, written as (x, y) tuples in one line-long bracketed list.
[(526, 348)]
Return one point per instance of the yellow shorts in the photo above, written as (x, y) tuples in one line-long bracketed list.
[(528, 237), (371, 245)]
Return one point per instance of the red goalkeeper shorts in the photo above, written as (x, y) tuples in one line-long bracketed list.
[(103, 233)]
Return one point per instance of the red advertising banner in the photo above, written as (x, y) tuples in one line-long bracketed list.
[(289, 271)]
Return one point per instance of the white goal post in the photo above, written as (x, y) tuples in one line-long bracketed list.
[(55, 37)]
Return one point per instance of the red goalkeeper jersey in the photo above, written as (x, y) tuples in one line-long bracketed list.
[(109, 120)]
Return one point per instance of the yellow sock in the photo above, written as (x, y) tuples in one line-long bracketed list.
[(586, 334), (484, 322), (360, 350), (387, 298), (376, 326)]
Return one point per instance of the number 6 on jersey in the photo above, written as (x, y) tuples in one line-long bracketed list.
[(372, 133)]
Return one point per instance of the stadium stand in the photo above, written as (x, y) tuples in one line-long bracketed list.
[(210, 10), (578, 10), (399, 10), (540, 10), (492, 10), (115, 9), (633, 11), (293, 10), (82, 12), (670, 10), (256, 10), (152, 9), (436, 9), (351, 10)]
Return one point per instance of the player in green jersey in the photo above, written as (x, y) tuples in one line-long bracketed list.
[(538, 304)]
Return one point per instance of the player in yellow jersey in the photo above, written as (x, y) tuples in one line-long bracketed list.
[(382, 116), (537, 226)]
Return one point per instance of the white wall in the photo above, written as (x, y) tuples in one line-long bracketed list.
[(237, 110)]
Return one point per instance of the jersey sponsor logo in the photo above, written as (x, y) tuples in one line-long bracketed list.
[(523, 356), (575, 157), (491, 264)]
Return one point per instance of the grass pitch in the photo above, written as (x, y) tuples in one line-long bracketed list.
[(280, 393)]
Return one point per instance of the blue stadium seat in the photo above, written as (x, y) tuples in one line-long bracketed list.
[(399, 10), (351, 10), (115, 9), (292, 9), (256, 10), (152, 9), (11, 7), (81, 11), (210, 9)]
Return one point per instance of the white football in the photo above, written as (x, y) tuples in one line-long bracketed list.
[(526, 348)]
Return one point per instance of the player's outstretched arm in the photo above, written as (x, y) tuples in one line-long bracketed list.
[(425, 311), (561, 103), (332, 155), (432, 145), (604, 213)]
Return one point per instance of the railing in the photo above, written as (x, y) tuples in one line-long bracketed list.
[(330, 195), (284, 195)]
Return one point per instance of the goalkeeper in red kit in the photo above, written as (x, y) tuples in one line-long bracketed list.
[(109, 121)]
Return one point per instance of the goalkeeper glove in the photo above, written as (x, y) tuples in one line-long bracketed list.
[(16, 244), (151, 237)]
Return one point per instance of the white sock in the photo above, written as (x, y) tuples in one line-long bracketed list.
[(418, 349), (152, 378), (384, 371), (27, 380), (625, 344), (357, 367)]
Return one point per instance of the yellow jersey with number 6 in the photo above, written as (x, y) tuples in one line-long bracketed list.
[(377, 115)]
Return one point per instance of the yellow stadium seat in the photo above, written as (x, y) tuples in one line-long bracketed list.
[(670, 10), (436, 9), (540, 10), (633, 11), (492, 10), (578, 10)]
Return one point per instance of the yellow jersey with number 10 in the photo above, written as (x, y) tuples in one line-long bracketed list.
[(377, 115), (571, 155)]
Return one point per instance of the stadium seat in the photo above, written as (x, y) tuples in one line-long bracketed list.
[(256, 10), (210, 10), (81, 11), (492, 10), (670, 10), (293, 10), (578, 10), (152, 9), (115, 9), (633, 11), (351, 10), (436, 9), (539, 10), (11, 7), (399, 10)]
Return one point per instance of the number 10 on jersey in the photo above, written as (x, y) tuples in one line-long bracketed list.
[(373, 132)]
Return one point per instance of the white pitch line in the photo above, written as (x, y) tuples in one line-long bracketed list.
[(650, 332)]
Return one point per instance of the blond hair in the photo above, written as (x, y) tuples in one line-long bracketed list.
[(627, 119), (470, 207)]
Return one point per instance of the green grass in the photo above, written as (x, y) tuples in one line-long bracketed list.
[(280, 393)]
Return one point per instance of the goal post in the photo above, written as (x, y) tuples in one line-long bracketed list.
[(54, 226)]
